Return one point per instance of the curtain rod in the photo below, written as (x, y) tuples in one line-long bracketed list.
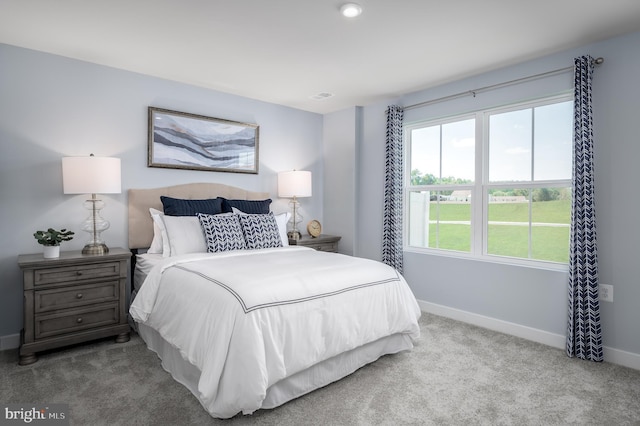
[(474, 92)]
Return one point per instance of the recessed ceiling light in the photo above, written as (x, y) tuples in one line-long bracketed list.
[(351, 10)]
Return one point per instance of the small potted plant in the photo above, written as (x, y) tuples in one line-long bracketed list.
[(51, 240)]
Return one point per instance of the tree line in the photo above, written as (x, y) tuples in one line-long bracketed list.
[(539, 194)]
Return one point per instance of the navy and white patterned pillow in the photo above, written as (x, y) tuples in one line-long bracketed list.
[(260, 230), (222, 232)]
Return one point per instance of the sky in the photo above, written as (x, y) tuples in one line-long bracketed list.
[(534, 139)]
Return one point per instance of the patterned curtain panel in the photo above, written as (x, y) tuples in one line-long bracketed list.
[(392, 224), (584, 337)]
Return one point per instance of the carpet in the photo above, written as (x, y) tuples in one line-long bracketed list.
[(457, 374)]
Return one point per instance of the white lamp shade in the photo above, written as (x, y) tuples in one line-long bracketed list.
[(91, 175), (296, 183)]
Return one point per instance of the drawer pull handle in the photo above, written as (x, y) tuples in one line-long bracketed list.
[(79, 320), (79, 296)]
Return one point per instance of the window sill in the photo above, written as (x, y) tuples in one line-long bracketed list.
[(536, 264)]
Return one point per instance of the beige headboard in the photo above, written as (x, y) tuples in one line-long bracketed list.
[(140, 200)]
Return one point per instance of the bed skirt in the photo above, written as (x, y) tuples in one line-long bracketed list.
[(292, 387)]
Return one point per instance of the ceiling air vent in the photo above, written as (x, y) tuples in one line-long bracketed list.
[(321, 96)]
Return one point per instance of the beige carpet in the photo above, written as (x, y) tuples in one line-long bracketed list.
[(458, 374)]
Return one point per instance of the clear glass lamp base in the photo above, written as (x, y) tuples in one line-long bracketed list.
[(95, 225), (296, 218)]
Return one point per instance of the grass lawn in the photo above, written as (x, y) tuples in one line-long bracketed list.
[(549, 243)]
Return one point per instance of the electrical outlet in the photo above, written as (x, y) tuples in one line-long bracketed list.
[(605, 292)]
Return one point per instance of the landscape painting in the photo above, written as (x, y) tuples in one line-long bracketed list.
[(179, 140)]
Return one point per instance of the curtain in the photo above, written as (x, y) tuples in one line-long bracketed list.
[(584, 337), (394, 169)]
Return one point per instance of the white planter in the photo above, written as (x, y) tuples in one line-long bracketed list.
[(51, 252)]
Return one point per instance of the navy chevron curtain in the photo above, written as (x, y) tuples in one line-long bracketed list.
[(584, 336), (394, 169)]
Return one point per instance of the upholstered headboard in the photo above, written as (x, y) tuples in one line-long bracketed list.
[(140, 200)]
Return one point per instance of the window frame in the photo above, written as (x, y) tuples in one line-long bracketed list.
[(481, 185)]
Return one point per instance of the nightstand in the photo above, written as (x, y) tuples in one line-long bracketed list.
[(72, 299), (321, 243)]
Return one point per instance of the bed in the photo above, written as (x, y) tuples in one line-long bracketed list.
[(254, 327)]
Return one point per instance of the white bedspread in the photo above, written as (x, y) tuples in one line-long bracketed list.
[(247, 319)]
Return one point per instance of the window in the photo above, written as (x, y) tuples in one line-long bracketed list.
[(493, 183)]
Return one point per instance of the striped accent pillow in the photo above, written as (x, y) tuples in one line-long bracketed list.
[(246, 206), (180, 207)]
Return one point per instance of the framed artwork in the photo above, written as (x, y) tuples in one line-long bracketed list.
[(178, 140)]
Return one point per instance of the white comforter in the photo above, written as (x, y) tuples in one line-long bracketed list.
[(247, 319)]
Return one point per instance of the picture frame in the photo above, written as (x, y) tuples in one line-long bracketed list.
[(179, 140)]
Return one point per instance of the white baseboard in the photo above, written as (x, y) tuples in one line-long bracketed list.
[(11, 341), (614, 356), (620, 357)]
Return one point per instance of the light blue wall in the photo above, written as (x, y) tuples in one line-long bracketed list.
[(52, 107), (526, 296), (339, 143)]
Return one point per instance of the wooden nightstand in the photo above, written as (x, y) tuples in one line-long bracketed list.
[(321, 243), (72, 299)]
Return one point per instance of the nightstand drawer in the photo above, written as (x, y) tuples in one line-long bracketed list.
[(73, 320), (331, 247), (66, 274), (72, 297), (328, 243)]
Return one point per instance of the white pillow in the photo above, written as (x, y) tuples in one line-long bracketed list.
[(160, 243), (281, 220), (184, 234), (156, 244), (176, 235)]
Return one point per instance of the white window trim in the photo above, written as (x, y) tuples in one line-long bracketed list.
[(480, 187)]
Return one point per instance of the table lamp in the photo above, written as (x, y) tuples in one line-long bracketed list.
[(92, 175), (294, 184)]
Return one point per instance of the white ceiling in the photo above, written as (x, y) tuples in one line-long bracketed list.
[(286, 51)]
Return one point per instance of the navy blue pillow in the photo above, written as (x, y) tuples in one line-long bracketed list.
[(246, 206), (179, 207)]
